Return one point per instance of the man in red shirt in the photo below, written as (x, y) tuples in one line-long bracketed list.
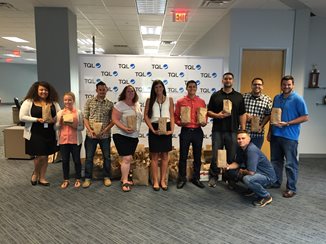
[(191, 133)]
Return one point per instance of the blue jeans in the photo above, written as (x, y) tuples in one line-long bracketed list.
[(65, 150), (195, 137), (257, 183), (258, 141), (90, 148), (282, 148), (219, 140)]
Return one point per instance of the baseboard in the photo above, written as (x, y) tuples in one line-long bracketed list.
[(314, 155)]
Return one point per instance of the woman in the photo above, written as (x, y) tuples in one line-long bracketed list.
[(38, 111), (69, 126), (159, 106), (127, 117)]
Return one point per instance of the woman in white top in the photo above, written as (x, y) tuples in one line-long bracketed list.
[(158, 109), (127, 117)]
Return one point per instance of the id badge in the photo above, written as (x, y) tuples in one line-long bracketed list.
[(46, 125)]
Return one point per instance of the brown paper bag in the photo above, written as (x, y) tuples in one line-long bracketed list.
[(46, 113), (227, 106), (68, 118), (132, 122), (97, 127), (162, 125), (255, 121), (276, 115), (185, 115), (201, 115), (221, 158), (140, 176)]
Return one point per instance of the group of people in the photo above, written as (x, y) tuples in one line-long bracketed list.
[(49, 128)]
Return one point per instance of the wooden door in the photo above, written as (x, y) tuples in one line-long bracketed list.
[(266, 64)]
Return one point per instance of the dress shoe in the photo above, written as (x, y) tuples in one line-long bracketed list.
[(43, 183), (33, 182), (288, 194), (198, 183), (164, 188), (156, 188), (181, 184)]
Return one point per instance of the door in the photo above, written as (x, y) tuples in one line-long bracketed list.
[(268, 65)]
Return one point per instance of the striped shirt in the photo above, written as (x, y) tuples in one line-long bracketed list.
[(98, 111)]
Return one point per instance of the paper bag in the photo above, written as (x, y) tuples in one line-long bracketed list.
[(276, 115), (68, 118), (97, 127), (132, 122), (221, 158), (140, 176), (255, 121), (227, 106), (201, 115), (162, 125), (46, 113), (185, 115)]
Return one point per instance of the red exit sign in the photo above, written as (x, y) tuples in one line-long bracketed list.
[(180, 16)]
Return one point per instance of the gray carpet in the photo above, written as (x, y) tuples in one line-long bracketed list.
[(36, 214)]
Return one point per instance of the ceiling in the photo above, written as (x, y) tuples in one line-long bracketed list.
[(115, 24)]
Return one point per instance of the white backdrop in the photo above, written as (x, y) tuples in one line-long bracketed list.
[(140, 71)]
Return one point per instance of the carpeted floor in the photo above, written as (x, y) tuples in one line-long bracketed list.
[(36, 214)]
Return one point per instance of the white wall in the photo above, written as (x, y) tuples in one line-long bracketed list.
[(15, 80)]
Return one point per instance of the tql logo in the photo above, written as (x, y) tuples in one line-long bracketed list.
[(92, 66)]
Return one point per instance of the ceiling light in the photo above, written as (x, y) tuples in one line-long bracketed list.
[(14, 39), (150, 51), (11, 55), (30, 59), (151, 30), (151, 43), (27, 48), (85, 41), (156, 7)]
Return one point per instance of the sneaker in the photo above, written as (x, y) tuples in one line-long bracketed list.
[(263, 201), (212, 181), (107, 181), (248, 193), (86, 183)]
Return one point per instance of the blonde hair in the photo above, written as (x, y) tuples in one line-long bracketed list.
[(70, 94)]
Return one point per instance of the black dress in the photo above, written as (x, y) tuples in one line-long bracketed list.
[(43, 140)]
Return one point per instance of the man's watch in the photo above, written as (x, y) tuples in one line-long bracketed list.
[(287, 124)]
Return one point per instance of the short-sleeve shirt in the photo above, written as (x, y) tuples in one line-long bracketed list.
[(231, 123), (100, 111), (258, 106), (255, 161), (292, 107), (125, 111)]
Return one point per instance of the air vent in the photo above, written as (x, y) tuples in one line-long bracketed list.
[(4, 5), (215, 3), (167, 43), (120, 45)]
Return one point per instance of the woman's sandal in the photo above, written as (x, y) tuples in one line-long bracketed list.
[(125, 187), (77, 183), (64, 184)]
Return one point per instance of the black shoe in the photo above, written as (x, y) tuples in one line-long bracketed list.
[(156, 188), (212, 181), (232, 185), (181, 184), (43, 183), (197, 183), (32, 181)]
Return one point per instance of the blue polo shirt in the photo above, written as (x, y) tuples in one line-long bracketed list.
[(292, 107)]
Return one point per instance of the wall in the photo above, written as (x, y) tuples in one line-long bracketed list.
[(15, 80)]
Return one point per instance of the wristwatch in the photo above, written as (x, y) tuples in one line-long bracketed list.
[(287, 124)]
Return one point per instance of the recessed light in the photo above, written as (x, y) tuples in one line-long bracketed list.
[(156, 7), (14, 39), (151, 30), (151, 43)]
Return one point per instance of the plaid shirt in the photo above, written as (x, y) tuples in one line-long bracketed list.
[(98, 111), (258, 106)]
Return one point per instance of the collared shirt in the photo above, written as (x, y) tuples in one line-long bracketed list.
[(259, 106), (98, 111), (292, 107), (231, 123), (194, 104), (68, 135)]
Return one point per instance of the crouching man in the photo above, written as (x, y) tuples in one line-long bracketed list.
[(252, 168)]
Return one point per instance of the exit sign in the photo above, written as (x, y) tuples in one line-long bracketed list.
[(180, 16)]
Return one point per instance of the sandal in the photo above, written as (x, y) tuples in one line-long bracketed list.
[(77, 183), (125, 187), (64, 184)]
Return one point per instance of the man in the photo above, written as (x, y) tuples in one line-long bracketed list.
[(97, 113), (284, 135), (253, 168), (260, 105), (191, 133), (225, 125)]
